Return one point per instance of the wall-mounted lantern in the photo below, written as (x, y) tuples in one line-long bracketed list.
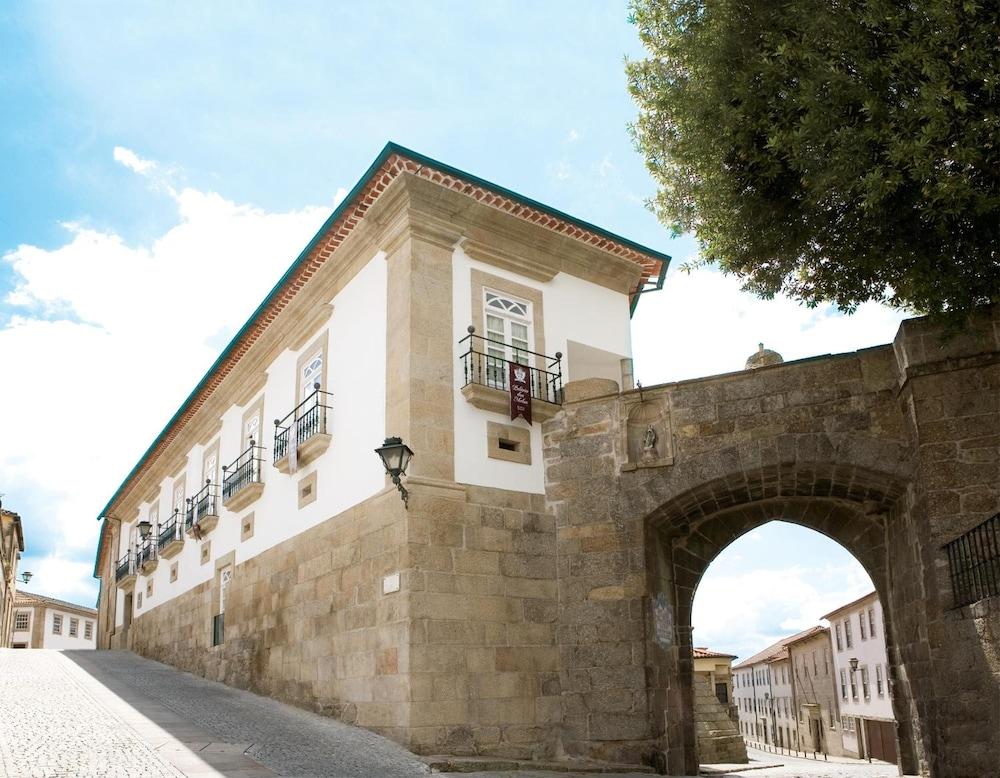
[(395, 456), (26, 576), (145, 528), (854, 664)]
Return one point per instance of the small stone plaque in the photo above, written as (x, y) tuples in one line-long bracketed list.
[(390, 583)]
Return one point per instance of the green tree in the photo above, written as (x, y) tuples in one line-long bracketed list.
[(833, 150)]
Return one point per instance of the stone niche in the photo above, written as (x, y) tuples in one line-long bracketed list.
[(646, 435)]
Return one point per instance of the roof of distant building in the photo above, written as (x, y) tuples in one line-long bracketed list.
[(808, 636), (873, 596), (700, 652), (28, 599), (777, 651)]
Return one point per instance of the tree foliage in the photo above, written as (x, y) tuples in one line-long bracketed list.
[(833, 150)]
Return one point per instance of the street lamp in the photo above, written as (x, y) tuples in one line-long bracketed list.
[(395, 456), (145, 528), (26, 576), (854, 664)]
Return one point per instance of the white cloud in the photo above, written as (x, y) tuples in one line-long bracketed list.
[(744, 612), (702, 324), (106, 342), (133, 161), (573, 136)]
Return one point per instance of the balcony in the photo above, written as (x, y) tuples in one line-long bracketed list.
[(241, 483), (202, 511), (125, 571), (170, 537), (306, 425), (148, 559), (486, 377)]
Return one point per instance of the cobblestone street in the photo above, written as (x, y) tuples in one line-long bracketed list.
[(83, 714)]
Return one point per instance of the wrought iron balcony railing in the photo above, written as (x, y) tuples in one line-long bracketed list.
[(146, 551), (123, 567), (205, 503), (242, 472), (309, 418), (481, 367), (170, 531), (974, 562)]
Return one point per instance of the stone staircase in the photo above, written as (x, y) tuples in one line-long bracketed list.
[(719, 738)]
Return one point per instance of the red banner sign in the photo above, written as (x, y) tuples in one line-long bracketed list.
[(519, 380)]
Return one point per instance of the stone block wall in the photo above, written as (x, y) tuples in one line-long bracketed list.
[(306, 621), (484, 661)]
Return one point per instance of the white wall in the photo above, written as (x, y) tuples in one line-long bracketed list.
[(574, 310), (347, 473), (64, 641)]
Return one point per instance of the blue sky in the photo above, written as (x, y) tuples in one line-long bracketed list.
[(163, 163)]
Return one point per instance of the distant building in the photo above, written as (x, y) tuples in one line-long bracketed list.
[(817, 715), (11, 547), (764, 693), (45, 622), (862, 672), (715, 715)]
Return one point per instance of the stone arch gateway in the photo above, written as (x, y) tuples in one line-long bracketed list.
[(892, 451)]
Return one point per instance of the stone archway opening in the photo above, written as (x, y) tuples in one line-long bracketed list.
[(750, 691), (850, 505)]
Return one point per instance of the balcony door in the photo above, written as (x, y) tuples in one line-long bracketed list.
[(509, 335), (312, 372), (210, 466), (251, 429)]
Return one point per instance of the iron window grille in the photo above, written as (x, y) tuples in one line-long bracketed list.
[(242, 472), (974, 562), (218, 629), (123, 567), (485, 369), (309, 418), (147, 551), (169, 532), (202, 504)]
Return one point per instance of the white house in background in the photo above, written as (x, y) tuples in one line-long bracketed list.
[(763, 690), (862, 675), (45, 622)]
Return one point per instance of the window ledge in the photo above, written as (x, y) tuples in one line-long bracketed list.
[(498, 401), (244, 496), (309, 451), (147, 567)]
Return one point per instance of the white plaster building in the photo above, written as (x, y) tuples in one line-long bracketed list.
[(45, 622), (861, 667), (763, 688), (277, 556)]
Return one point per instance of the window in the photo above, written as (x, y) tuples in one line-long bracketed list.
[(847, 633), (722, 693), (878, 681), (843, 684), (854, 685), (826, 662), (88, 630), (22, 620), (861, 626), (312, 373), (784, 675), (56, 624), (840, 646), (74, 627), (508, 334), (864, 683), (871, 622), (814, 663)]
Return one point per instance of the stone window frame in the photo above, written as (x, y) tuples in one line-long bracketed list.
[(247, 526), (307, 482), (178, 480), (520, 436), (28, 615), (74, 627), (861, 625), (88, 630), (481, 281), (57, 624), (254, 408), (320, 343), (215, 446), (174, 572), (226, 560), (871, 622)]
